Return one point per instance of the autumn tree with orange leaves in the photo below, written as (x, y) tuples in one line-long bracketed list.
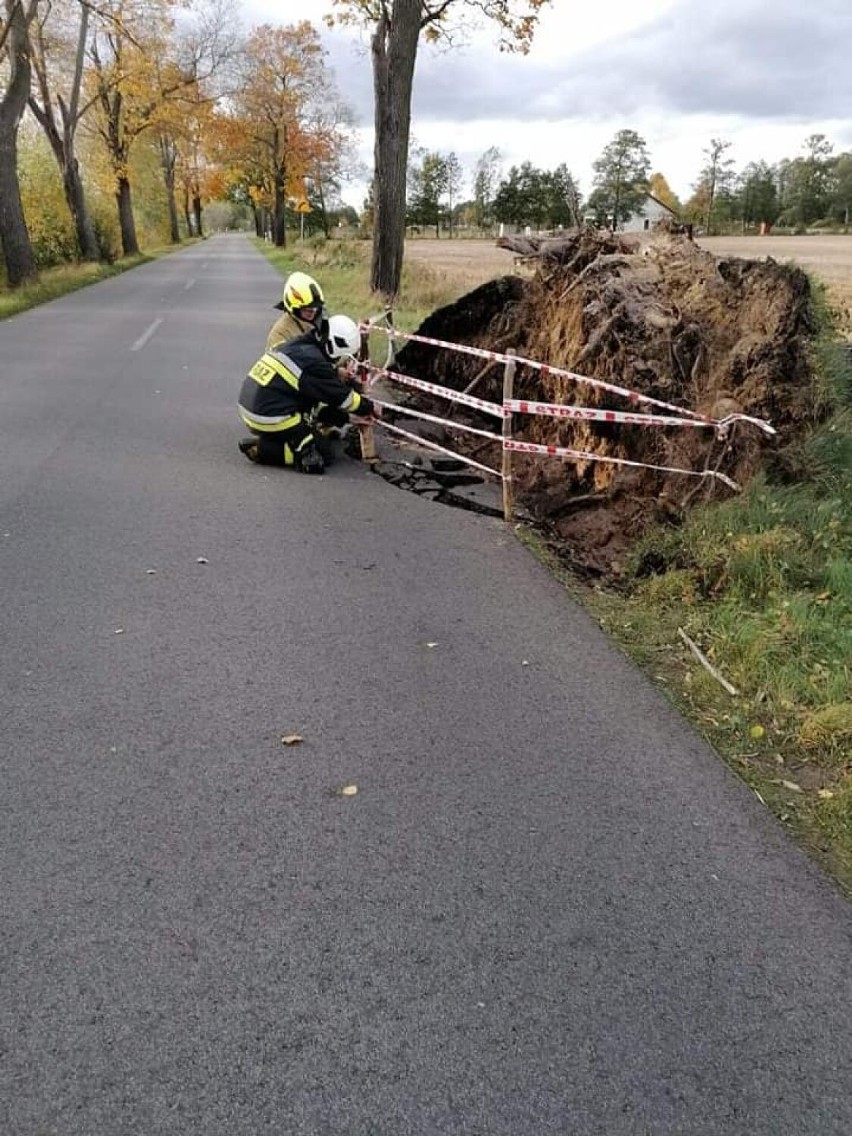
[(146, 69), (284, 83)]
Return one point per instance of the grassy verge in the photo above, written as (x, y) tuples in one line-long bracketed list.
[(763, 586), (342, 268)]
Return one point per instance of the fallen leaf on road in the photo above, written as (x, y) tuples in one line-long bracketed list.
[(291, 739), (349, 790), (431, 644), (201, 560)]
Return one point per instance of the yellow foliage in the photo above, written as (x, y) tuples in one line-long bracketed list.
[(49, 221)]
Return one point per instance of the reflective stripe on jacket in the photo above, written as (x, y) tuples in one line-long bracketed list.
[(290, 381)]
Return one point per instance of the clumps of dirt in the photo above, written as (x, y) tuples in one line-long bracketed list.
[(663, 318)]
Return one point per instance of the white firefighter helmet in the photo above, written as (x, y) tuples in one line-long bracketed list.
[(343, 339)]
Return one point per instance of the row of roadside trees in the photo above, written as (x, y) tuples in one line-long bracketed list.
[(813, 188), (129, 84), (174, 76)]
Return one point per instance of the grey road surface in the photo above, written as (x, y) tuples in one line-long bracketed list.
[(549, 908)]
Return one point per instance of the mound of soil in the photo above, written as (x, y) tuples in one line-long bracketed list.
[(666, 319)]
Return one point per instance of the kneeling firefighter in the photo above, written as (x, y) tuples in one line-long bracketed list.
[(295, 383), (303, 305)]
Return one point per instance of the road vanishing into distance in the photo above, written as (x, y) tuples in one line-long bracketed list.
[(549, 907)]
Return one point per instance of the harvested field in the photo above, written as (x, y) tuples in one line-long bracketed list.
[(829, 258), (666, 318)]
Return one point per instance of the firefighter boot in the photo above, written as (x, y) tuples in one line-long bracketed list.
[(310, 460), (248, 446)]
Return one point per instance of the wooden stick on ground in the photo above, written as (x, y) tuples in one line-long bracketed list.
[(705, 662), (472, 384)]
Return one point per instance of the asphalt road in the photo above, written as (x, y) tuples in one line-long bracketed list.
[(549, 908)]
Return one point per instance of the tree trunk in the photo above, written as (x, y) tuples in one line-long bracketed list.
[(62, 146), (394, 51), (322, 210), (75, 195), (126, 221), (62, 139), (168, 158), (186, 214), (14, 236), (196, 212), (174, 228), (616, 206), (279, 216)]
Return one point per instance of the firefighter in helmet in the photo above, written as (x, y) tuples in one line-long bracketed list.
[(297, 387), (303, 305)]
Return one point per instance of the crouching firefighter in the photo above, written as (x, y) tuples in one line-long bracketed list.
[(294, 385), (303, 306)]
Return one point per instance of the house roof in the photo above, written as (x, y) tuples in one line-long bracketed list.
[(668, 207)]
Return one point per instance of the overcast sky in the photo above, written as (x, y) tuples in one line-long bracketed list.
[(762, 74)]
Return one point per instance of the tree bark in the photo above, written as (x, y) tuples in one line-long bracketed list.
[(126, 221), (62, 146), (75, 195), (62, 140), (186, 214), (14, 236), (394, 52), (279, 215), (168, 158), (196, 212)]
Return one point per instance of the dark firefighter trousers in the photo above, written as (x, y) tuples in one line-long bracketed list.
[(282, 447)]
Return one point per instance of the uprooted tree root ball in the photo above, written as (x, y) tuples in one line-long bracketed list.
[(663, 318)]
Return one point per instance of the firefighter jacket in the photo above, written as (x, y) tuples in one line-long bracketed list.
[(285, 328), (289, 382)]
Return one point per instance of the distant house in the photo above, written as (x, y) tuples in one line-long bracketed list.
[(649, 213)]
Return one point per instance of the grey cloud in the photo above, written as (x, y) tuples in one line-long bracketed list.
[(350, 61), (751, 59)]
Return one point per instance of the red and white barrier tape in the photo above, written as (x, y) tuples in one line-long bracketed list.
[(598, 384), (492, 408), (596, 414), (580, 455), (627, 417), (434, 418)]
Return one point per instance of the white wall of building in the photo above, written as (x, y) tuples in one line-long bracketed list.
[(646, 217)]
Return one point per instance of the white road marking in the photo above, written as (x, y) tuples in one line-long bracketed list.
[(146, 335)]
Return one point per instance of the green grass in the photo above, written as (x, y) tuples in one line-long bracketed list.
[(342, 267), (763, 585)]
